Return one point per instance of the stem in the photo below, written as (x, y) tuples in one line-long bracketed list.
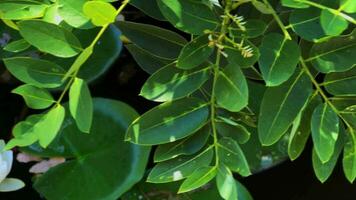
[(222, 34), (73, 71)]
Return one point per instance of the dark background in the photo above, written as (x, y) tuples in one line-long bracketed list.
[(287, 181)]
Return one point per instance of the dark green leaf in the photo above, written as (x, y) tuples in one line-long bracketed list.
[(294, 4), (342, 83), (236, 56), (254, 28), (229, 128), (170, 83), (169, 122), (197, 179), (281, 105), (332, 24), (17, 46), (349, 158), (325, 131), (149, 7), (279, 58)]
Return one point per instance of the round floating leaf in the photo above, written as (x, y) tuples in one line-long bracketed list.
[(95, 156)]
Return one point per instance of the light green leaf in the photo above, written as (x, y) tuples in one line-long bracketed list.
[(226, 184), (157, 41), (72, 13), (294, 4), (49, 125), (186, 146), (279, 58), (195, 53), (324, 170), (159, 125), (334, 55), (301, 130), (325, 131), (349, 158), (262, 7), (36, 98), (11, 184), (348, 6), (281, 105), (231, 155), (81, 105), (179, 168), (197, 179), (17, 46), (50, 38), (40, 73), (21, 10), (171, 83), (150, 63), (229, 128), (332, 24), (79, 61), (100, 13), (341, 83), (189, 15), (231, 90)]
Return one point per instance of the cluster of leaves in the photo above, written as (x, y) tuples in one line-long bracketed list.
[(253, 73)]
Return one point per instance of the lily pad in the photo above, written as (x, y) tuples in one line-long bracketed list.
[(100, 165)]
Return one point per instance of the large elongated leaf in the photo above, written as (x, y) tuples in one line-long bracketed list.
[(324, 170), (334, 55), (179, 168), (50, 38), (170, 83), (186, 146), (231, 89), (279, 58), (149, 7), (195, 53), (231, 155), (197, 179), (188, 15), (40, 73), (169, 122), (325, 131), (349, 158), (281, 105), (158, 41), (81, 104), (341, 83), (36, 98), (94, 157)]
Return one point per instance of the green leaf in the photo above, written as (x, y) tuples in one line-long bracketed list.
[(229, 128), (195, 53), (21, 10), (72, 13), (262, 7), (171, 83), (281, 105), (150, 63), (49, 125), (95, 156), (325, 131), (294, 4), (348, 6), (334, 55), (279, 58), (157, 41), (235, 55), (341, 83), (301, 129), (186, 146), (17, 46), (197, 179), (40, 73), (160, 125), (36, 98), (226, 184), (188, 15), (254, 28), (50, 38), (11, 184), (101, 13), (323, 170), (231, 155), (306, 23), (332, 24), (231, 90), (81, 105), (149, 7), (349, 158), (179, 168)]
